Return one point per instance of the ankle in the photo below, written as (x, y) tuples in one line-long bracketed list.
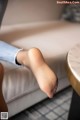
[(22, 58)]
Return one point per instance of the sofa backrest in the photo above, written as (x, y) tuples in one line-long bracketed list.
[(26, 11)]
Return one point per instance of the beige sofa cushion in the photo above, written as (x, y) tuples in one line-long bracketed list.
[(54, 39), (29, 11)]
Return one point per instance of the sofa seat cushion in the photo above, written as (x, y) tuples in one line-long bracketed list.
[(17, 81), (54, 39)]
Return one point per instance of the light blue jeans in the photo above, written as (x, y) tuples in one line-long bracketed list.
[(8, 52)]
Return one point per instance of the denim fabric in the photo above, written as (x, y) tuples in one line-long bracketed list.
[(8, 52)]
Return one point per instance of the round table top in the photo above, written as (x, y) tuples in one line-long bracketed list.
[(73, 61)]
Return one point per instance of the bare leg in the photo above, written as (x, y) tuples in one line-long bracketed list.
[(46, 78)]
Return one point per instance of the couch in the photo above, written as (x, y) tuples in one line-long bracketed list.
[(35, 23)]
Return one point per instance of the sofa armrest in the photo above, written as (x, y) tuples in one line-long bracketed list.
[(3, 105)]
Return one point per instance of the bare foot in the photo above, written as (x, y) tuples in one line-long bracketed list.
[(46, 78)]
